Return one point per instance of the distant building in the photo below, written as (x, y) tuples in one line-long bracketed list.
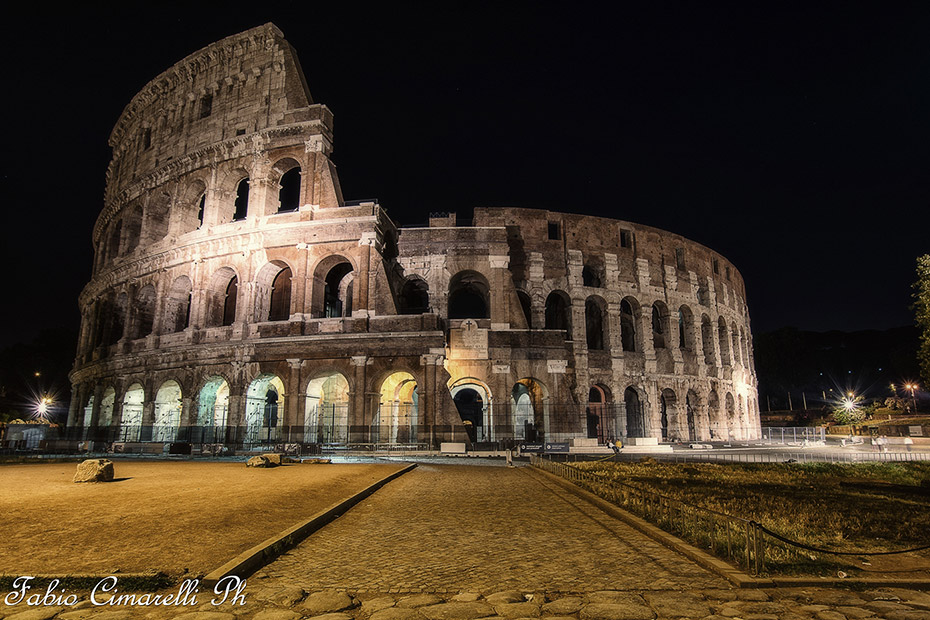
[(237, 298)]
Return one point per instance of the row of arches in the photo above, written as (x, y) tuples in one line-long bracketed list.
[(230, 200), (732, 344)]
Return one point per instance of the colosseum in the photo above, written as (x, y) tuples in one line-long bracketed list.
[(238, 300)]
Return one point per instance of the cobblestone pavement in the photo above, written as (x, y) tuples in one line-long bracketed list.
[(451, 528), (445, 543)]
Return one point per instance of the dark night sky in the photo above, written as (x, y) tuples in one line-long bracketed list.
[(793, 140)]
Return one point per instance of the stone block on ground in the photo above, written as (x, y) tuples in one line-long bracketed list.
[(276, 614), (316, 461), (564, 606), (94, 470), (377, 604), (457, 611), (327, 601), (517, 610), (677, 604), (419, 600), (275, 458), (616, 611), (259, 461), (507, 596), (396, 613)]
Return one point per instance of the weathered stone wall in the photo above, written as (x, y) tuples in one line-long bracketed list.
[(302, 305)]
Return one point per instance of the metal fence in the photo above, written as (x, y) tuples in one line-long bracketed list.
[(756, 456)]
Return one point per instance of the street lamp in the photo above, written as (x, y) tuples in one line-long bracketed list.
[(911, 387)]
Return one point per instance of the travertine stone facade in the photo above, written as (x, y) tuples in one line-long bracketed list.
[(237, 297)]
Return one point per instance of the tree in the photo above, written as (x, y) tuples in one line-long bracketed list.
[(922, 314)]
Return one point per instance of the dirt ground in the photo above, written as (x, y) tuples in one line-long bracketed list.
[(162, 516)]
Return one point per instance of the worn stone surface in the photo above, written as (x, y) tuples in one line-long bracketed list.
[(276, 614), (677, 604), (421, 600), (260, 461), (327, 601), (507, 596), (457, 611), (517, 610), (616, 611), (377, 604), (94, 470), (564, 606), (397, 613)]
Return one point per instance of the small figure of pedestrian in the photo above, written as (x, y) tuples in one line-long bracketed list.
[(908, 443), (613, 446), (883, 441)]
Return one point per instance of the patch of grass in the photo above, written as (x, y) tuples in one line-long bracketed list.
[(862, 507)]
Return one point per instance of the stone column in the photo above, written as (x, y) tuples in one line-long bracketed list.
[(360, 416), (360, 298), (294, 412)]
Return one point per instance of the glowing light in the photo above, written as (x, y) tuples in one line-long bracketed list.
[(848, 403)]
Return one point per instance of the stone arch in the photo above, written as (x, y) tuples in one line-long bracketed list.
[(190, 211), (326, 413), (131, 418), (635, 425), (668, 415), (112, 311), (333, 287), (114, 240), (693, 408), (414, 296), (716, 424), (167, 411), (558, 312), (222, 297), (595, 321), (685, 328), (107, 406), (144, 312), (131, 230), (264, 409), (598, 423), (213, 407), (178, 306), (660, 325), (469, 296), (89, 410), (530, 404), (629, 316), (707, 341), (736, 349), (273, 292), (730, 405), (592, 274), (157, 213), (398, 409), (287, 173), (241, 200), (472, 398), (724, 341)]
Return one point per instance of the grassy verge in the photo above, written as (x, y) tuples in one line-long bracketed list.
[(860, 508)]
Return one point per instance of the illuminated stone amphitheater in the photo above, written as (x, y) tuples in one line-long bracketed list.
[(238, 299)]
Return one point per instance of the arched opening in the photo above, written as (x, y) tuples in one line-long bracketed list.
[(222, 293), (627, 325), (167, 411), (730, 405), (178, 306), (635, 419), (659, 325), (242, 200), (558, 314), (132, 230), (529, 403), (273, 292), (598, 423), (326, 415), (668, 415), (736, 346), (190, 211), (89, 411), (707, 341), (131, 421), (717, 429), (398, 410), (685, 323), (113, 241), (414, 297), (281, 296), (332, 289), (264, 409), (289, 191), (594, 315), (472, 399), (469, 296), (692, 405), (591, 276), (111, 319), (107, 403), (526, 305), (213, 409), (144, 312), (156, 218), (724, 342)]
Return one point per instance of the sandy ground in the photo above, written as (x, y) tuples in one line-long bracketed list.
[(164, 516)]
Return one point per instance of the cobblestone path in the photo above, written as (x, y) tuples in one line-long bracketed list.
[(453, 528)]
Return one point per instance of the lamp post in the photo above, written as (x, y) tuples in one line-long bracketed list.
[(912, 387)]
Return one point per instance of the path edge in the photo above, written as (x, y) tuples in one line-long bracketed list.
[(735, 576), (249, 561)]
